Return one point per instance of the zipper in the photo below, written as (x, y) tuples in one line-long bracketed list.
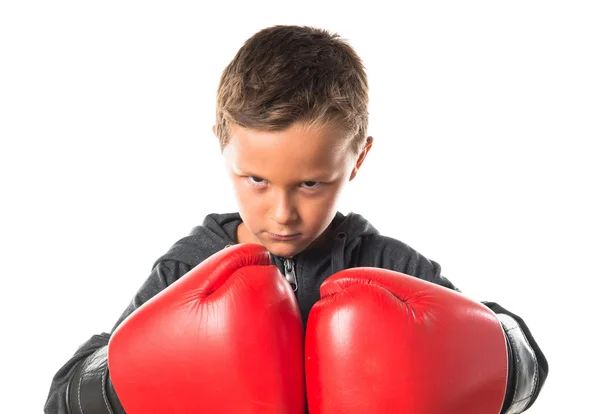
[(290, 273)]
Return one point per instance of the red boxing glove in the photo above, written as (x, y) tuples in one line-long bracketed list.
[(225, 338), (380, 341)]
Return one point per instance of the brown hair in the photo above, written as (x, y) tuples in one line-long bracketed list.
[(288, 74)]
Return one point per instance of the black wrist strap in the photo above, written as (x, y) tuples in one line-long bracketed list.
[(90, 390), (524, 366)]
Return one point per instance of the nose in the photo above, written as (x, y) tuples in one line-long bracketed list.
[(283, 210)]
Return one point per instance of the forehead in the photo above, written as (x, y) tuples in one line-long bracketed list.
[(299, 150)]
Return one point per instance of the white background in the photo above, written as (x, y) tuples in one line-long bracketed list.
[(484, 116)]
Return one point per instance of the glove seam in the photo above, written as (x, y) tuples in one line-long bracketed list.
[(79, 388), (517, 370), (104, 392), (87, 368)]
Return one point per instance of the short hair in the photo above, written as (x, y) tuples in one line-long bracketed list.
[(284, 75)]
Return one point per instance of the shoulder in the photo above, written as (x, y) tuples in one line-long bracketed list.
[(389, 253), (216, 232), (387, 243)]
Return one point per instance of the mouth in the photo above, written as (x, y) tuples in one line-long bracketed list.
[(283, 236)]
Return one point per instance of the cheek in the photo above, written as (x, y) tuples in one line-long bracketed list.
[(319, 208), (248, 201)]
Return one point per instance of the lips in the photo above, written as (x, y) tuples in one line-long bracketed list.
[(283, 236)]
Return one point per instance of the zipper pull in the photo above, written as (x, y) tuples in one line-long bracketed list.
[(290, 273)]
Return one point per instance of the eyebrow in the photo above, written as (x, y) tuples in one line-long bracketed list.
[(318, 177)]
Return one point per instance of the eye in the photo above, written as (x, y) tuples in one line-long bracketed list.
[(255, 180), (311, 184)]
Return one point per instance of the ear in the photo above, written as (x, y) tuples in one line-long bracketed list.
[(214, 129), (361, 157)]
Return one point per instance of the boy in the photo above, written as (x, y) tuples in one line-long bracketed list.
[(292, 120)]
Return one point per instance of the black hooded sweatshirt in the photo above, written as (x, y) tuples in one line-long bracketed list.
[(351, 242)]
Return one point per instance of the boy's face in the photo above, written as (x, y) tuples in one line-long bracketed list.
[(288, 183)]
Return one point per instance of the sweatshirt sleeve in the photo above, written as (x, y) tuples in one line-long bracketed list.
[(83, 383)]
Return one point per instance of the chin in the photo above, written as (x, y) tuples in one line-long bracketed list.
[(282, 252), (283, 249)]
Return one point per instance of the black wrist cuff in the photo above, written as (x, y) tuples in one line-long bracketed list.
[(90, 390), (524, 367)]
